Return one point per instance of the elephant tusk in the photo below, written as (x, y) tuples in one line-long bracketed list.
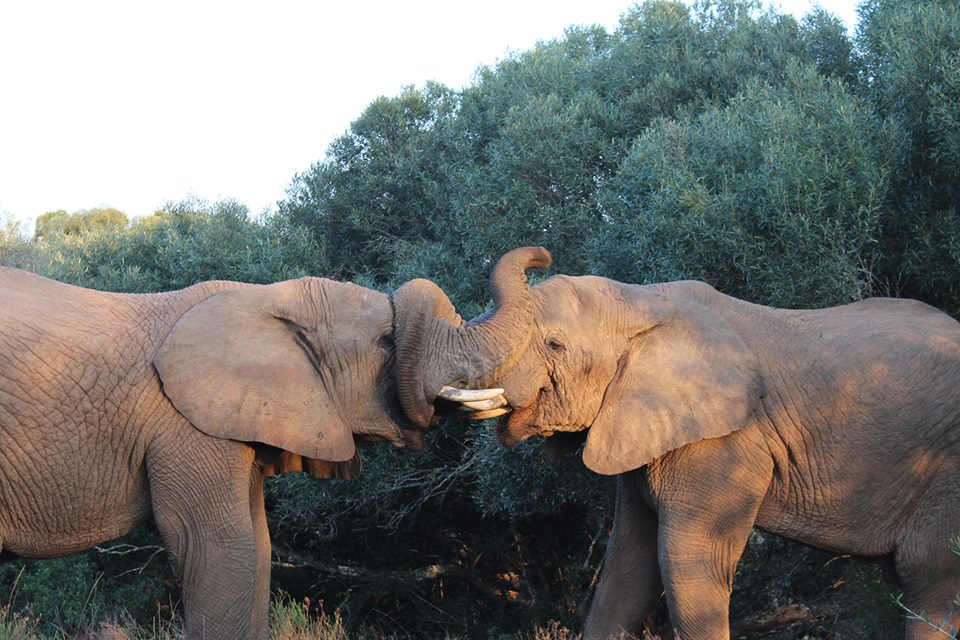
[(467, 395), (481, 415), (486, 405)]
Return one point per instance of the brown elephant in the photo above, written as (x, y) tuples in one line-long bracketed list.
[(116, 407), (839, 428)]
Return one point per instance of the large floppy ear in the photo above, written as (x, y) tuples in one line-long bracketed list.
[(237, 367), (686, 377)]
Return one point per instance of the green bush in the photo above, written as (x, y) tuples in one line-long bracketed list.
[(453, 180), (182, 244), (129, 577), (911, 50), (64, 592), (378, 186), (776, 197)]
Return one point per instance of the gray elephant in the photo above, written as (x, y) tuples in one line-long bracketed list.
[(839, 428), (116, 407)]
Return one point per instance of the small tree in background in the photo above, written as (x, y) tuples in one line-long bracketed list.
[(59, 223), (182, 243)]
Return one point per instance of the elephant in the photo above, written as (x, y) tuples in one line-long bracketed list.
[(835, 427), (118, 407)]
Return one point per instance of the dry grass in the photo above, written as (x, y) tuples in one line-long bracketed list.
[(289, 621)]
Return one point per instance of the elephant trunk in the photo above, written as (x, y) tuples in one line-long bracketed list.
[(434, 346)]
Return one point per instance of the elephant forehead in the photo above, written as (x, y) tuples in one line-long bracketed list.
[(367, 311), (573, 301), (348, 306)]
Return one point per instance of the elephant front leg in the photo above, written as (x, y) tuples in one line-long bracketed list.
[(630, 583), (708, 500), (698, 571), (212, 522)]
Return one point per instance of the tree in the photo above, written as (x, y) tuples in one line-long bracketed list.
[(54, 223), (911, 50), (426, 183), (379, 185), (775, 198)]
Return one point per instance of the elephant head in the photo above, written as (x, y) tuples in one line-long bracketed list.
[(306, 366), (435, 348), (642, 369)]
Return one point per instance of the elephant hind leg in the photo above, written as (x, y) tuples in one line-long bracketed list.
[(928, 569), (928, 591)]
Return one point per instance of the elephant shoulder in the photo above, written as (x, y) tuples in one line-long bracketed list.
[(696, 290)]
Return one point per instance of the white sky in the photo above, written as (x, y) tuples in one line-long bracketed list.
[(130, 104)]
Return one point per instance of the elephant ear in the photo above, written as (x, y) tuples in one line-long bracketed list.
[(236, 367), (686, 377)]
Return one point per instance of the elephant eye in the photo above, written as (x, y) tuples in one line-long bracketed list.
[(554, 343), (386, 342)]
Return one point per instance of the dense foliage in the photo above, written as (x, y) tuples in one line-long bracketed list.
[(780, 160)]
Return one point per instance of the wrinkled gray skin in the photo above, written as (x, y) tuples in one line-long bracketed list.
[(117, 407), (839, 428)]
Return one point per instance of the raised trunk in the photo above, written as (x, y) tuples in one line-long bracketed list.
[(435, 348)]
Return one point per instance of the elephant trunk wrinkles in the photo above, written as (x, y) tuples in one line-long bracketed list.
[(435, 348)]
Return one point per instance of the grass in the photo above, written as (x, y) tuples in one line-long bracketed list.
[(289, 620), (13, 625)]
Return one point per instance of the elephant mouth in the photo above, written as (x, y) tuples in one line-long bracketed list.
[(521, 420), (525, 422), (388, 423), (412, 439), (399, 430), (516, 426)]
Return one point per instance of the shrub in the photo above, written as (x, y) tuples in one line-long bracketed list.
[(911, 50), (775, 198)]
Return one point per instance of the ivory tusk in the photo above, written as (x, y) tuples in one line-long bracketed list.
[(467, 395), (481, 415), (486, 405)]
